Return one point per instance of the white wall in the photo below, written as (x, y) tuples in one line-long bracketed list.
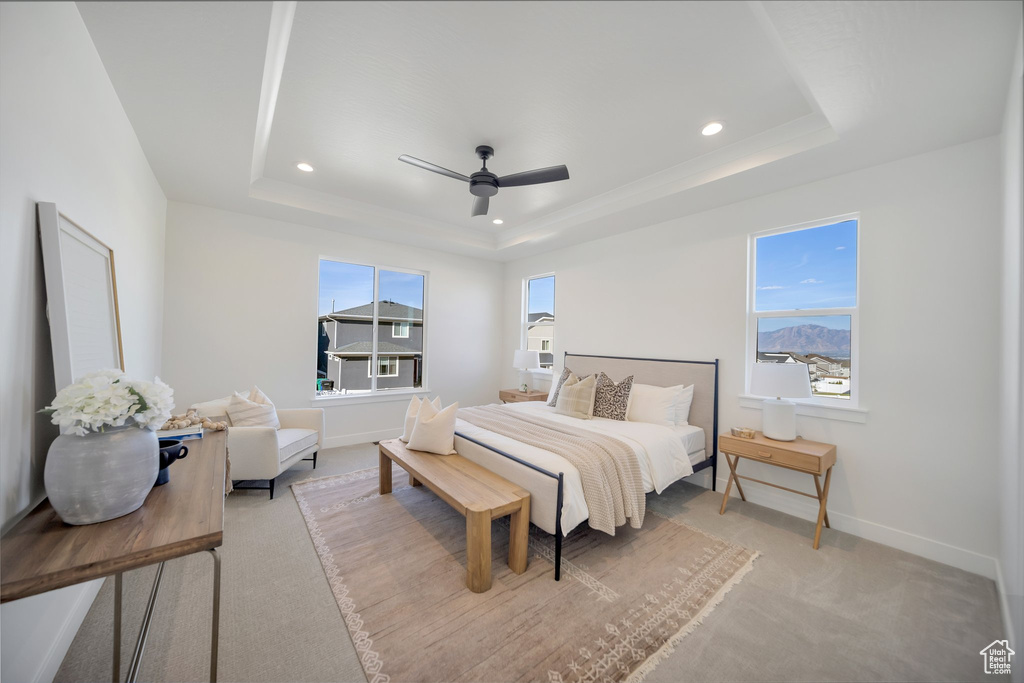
[(64, 138), (241, 303), (920, 474), (1011, 461)]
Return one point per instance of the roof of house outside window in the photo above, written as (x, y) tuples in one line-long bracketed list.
[(540, 317), (365, 348), (386, 310)]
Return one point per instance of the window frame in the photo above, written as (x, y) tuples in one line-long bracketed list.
[(853, 403), (376, 394), (401, 326), (525, 326)]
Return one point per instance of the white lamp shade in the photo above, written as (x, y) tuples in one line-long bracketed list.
[(526, 360), (782, 380)]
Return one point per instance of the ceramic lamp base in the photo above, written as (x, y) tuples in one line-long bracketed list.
[(779, 419)]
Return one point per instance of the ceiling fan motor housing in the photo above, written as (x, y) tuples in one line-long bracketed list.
[(483, 184)]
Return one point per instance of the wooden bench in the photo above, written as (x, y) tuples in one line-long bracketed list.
[(477, 493)]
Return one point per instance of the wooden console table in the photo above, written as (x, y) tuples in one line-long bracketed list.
[(186, 515), (801, 455)]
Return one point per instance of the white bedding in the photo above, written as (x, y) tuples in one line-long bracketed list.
[(664, 455)]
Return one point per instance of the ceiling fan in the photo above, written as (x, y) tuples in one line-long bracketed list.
[(483, 184)]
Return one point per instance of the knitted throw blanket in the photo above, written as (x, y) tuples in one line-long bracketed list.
[(609, 470)]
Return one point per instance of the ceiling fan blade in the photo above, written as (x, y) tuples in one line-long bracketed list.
[(432, 167), (480, 205), (535, 177)]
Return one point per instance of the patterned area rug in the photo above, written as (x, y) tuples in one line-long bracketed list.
[(397, 567)]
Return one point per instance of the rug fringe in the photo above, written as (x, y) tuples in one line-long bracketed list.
[(652, 662)]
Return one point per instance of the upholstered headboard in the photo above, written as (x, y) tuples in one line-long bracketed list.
[(703, 375)]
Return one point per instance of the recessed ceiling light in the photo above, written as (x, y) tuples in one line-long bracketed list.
[(304, 167), (497, 221), (712, 128)]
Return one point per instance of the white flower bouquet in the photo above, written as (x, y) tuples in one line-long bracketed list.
[(109, 399)]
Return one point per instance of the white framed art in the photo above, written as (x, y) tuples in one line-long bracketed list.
[(81, 298)]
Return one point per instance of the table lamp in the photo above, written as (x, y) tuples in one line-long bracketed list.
[(524, 361), (782, 380)]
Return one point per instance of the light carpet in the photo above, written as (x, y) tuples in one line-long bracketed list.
[(397, 568)]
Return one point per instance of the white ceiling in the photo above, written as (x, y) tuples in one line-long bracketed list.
[(227, 97)]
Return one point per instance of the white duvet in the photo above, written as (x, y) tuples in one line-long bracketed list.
[(660, 452)]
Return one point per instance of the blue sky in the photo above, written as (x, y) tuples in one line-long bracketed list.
[(542, 295), (351, 285), (813, 268)]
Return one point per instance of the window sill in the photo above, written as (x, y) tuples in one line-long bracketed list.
[(841, 413), (542, 371), (358, 399)]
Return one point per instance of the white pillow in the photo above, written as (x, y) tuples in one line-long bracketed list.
[(412, 412), (434, 431), (656, 405), (246, 413), (685, 398)]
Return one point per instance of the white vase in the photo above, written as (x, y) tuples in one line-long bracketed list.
[(101, 475)]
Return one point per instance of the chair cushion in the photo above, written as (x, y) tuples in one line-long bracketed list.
[(291, 441)]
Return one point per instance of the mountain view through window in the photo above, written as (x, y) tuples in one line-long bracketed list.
[(805, 303)]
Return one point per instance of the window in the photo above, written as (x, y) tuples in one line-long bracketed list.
[(539, 318), (370, 329), (387, 366), (804, 307)]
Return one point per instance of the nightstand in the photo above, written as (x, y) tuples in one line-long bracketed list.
[(801, 455), (516, 396)]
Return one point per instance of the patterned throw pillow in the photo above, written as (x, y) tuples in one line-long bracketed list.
[(576, 398), (612, 400), (558, 387)]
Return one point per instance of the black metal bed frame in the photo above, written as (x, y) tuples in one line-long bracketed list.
[(711, 461)]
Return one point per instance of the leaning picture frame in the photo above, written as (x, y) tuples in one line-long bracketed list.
[(81, 298)]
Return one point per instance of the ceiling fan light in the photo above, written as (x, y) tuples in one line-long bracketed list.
[(712, 128), (303, 166)]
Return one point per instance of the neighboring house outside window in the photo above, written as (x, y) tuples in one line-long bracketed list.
[(539, 318), (386, 333), (804, 304)]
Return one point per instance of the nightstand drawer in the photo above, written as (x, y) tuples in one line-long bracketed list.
[(778, 456)]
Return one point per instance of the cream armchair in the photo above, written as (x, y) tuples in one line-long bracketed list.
[(262, 453)]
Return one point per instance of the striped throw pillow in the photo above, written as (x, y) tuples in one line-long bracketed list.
[(576, 399), (246, 413)]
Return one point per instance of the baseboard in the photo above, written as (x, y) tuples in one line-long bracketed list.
[(361, 437), (961, 558), (1004, 604)]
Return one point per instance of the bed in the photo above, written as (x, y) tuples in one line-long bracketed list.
[(665, 454)]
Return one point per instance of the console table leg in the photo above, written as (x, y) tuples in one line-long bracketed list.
[(117, 627), (147, 620), (728, 484), (215, 637), (821, 509), (817, 485)]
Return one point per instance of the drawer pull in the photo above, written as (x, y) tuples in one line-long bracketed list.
[(764, 454)]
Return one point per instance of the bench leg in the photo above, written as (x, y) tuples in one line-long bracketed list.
[(414, 482), (478, 550), (519, 537), (385, 472)]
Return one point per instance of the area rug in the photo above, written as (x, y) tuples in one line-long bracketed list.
[(397, 567)]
